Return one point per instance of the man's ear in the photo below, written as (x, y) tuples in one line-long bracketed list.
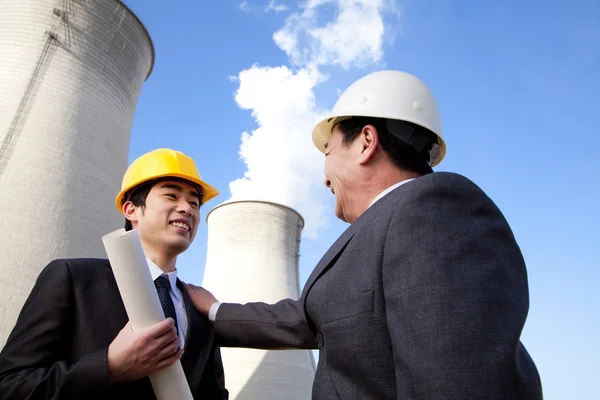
[(369, 142), (130, 211)]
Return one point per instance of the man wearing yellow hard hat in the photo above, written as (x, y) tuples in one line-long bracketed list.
[(73, 339), (425, 295)]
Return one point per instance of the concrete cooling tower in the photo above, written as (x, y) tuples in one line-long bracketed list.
[(71, 72), (253, 256)]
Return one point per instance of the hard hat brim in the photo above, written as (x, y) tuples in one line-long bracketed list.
[(209, 192)]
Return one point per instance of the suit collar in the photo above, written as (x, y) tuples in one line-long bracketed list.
[(390, 189), (155, 272)]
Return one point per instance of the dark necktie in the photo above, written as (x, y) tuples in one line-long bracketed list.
[(162, 287)]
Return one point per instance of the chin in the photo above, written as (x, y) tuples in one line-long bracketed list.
[(179, 246), (339, 213)]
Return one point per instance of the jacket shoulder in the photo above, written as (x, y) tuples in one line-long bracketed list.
[(79, 266), (448, 179), (449, 185)]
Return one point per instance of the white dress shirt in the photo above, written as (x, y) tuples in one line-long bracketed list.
[(212, 312), (176, 296), (388, 190)]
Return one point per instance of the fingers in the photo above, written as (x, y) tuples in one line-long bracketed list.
[(157, 336), (164, 345), (159, 328), (190, 287), (170, 349), (165, 362), (168, 336)]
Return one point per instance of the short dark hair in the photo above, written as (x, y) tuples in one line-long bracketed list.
[(402, 154), (138, 194)]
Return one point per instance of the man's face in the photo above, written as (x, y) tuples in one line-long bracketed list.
[(339, 164), (170, 219)]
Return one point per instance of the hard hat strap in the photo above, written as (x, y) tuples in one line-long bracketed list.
[(414, 137)]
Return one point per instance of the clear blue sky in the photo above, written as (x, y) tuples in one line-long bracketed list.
[(518, 87)]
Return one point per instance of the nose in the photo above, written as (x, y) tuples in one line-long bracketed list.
[(327, 183), (185, 208)]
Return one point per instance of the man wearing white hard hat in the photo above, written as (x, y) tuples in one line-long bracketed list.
[(425, 295)]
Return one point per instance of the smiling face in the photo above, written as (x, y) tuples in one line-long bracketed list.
[(341, 162), (169, 220)]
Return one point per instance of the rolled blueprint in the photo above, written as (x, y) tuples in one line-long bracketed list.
[(138, 292)]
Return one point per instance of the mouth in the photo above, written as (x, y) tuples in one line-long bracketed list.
[(181, 225), (333, 191)]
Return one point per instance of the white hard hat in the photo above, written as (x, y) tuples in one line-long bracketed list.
[(392, 95)]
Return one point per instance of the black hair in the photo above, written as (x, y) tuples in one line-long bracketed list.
[(403, 155)]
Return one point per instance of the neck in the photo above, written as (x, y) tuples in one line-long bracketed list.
[(389, 180), (375, 181), (163, 261)]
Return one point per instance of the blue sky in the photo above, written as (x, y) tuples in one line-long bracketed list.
[(517, 86)]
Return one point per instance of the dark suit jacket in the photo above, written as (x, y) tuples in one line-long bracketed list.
[(423, 297), (58, 347)]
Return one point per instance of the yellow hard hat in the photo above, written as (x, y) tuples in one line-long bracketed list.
[(163, 163)]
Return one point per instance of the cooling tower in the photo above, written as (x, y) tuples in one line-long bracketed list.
[(71, 72), (253, 256)]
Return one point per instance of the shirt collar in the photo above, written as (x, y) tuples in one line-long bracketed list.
[(155, 272), (388, 190)]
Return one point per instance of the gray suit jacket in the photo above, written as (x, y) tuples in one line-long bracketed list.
[(423, 297)]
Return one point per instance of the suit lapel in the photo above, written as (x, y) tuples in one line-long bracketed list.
[(114, 302), (111, 279), (196, 337), (192, 324), (338, 247), (329, 258), (335, 251)]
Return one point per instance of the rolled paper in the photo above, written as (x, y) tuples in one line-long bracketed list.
[(130, 267)]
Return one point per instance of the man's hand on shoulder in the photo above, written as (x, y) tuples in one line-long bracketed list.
[(134, 355), (202, 298)]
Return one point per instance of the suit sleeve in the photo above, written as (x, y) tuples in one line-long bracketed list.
[(456, 297), (278, 326), (33, 362)]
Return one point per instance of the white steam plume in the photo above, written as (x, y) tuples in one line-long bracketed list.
[(283, 165)]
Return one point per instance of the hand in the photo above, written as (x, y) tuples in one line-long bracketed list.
[(201, 298), (134, 355)]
